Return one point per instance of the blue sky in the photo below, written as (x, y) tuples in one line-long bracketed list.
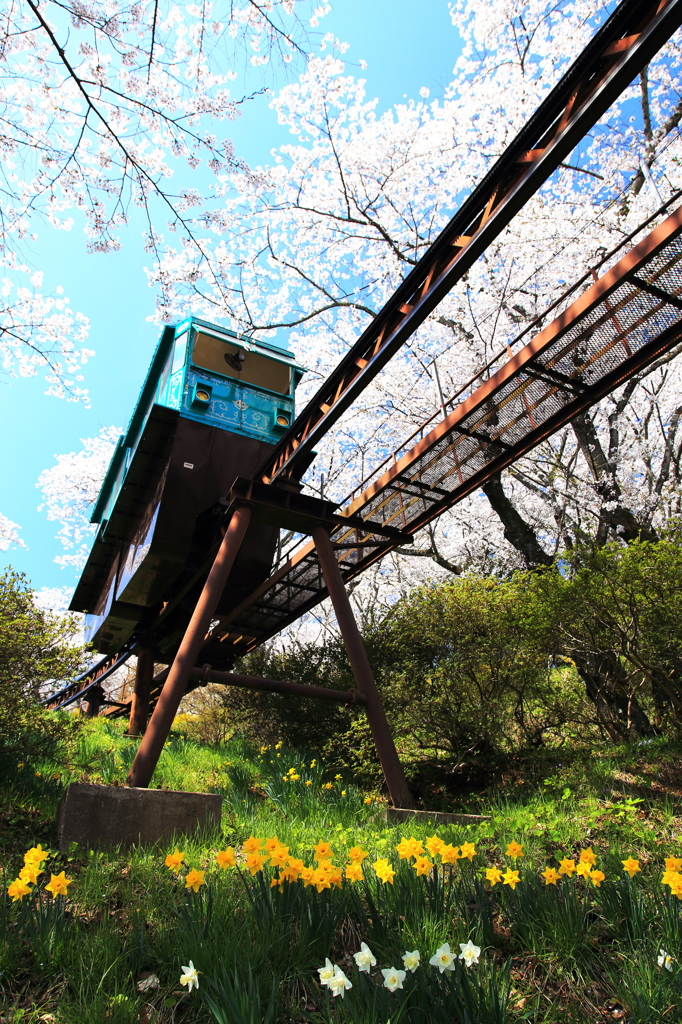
[(407, 44)]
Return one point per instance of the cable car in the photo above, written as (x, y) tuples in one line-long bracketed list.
[(213, 405)]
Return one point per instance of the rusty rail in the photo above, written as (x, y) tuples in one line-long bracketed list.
[(624, 45)]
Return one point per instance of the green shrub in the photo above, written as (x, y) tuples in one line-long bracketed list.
[(37, 650)]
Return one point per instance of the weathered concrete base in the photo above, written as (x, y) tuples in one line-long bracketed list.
[(395, 814), (92, 815)]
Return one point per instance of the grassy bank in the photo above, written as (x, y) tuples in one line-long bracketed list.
[(574, 948)]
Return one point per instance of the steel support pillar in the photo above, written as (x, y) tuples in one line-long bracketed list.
[(94, 699), (150, 748), (378, 723), (139, 707)]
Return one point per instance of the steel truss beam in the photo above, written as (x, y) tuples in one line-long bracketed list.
[(91, 677), (618, 52), (615, 329)]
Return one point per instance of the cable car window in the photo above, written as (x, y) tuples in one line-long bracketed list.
[(179, 351), (213, 354)]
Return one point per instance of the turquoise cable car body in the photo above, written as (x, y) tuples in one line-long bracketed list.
[(212, 407)]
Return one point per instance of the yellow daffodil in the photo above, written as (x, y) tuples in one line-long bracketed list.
[(194, 880), (434, 845), (328, 785), (588, 856), (308, 782), (410, 848), (449, 854), (584, 869), (676, 887), (336, 877), (308, 876), (367, 800), (174, 860), (354, 871), (631, 866), (36, 855), (323, 851), (422, 866), (253, 845), (322, 880), (493, 875), (597, 877), (292, 870), (338, 777), (511, 878), (468, 850), (18, 889), (550, 876), (30, 873), (255, 862), (58, 885), (673, 863), (514, 850), (356, 853), (383, 870), (567, 867), (226, 858), (272, 844), (279, 858), (404, 848)]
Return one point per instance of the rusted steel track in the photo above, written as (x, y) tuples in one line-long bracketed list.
[(93, 676), (617, 327), (618, 52)]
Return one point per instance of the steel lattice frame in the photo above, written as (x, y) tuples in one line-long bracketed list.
[(621, 324)]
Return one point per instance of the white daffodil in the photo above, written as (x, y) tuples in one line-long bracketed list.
[(411, 960), (148, 983), (443, 958), (326, 973), (470, 953), (393, 978), (190, 977), (339, 983), (365, 958), (665, 960)]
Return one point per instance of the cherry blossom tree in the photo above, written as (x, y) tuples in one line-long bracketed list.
[(315, 243), (9, 534), (111, 111), (70, 490)]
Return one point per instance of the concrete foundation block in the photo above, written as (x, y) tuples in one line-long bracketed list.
[(100, 816)]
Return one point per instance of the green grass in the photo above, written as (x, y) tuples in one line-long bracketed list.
[(570, 953)]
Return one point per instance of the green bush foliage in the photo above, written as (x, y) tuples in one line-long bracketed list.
[(477, 668), (35, 649)]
